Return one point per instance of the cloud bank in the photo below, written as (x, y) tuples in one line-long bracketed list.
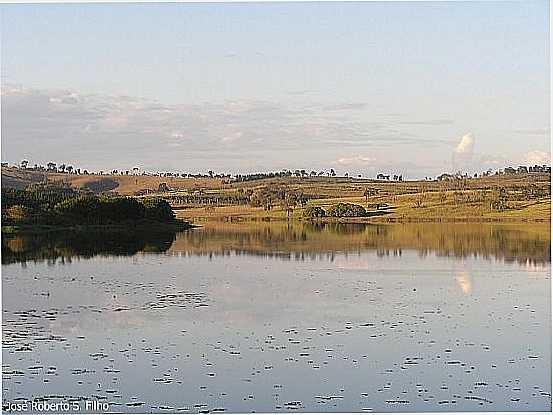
[(96, 131), (537, 157), (113, 131)]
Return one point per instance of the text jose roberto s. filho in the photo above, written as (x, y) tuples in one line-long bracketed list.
[(69, 406)]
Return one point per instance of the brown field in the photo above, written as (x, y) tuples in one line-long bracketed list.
[(126, 185), (129, 185), (19, 179)]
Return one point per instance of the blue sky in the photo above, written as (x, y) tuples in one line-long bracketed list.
[(359, 87)]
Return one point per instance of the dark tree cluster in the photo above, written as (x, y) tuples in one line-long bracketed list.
[(61, 205), (314, 212), (507, 170), (346, 210), (39, 197), (395, 177), (284, 173), (261, 176), (339, 210)]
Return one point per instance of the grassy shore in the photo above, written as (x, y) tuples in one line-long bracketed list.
[(177, 225)]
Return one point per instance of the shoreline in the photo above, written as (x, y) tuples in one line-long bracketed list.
[(146, 226), (370, 220)]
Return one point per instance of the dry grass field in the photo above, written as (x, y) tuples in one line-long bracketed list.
[(124, 185)]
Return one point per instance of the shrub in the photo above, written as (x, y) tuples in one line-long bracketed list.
[(314, 212), (121, 209), (158, 210), (346, 210), (90, 209), (17, 214), (38, 197), (82, 208)]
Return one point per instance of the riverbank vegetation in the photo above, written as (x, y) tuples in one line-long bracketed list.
[(53, 205)]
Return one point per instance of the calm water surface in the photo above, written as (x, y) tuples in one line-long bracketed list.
[(280, 317)]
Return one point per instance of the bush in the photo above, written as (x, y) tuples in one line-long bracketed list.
[(122, 209), (158, 210), (314, 212), (17, 214), (81, 209), (39, 197), (90, 209), (346, 210)]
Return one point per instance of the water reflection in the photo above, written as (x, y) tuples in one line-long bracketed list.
[(213, 324), (526, 244), (63, 246), (464, 281)]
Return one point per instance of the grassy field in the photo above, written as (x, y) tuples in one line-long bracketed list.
[(526, 197)]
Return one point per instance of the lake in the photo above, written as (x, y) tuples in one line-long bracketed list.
[(281, 317)]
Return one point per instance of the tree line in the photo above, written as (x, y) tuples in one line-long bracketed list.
[(52, 167)]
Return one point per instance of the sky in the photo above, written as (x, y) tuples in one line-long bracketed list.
[(414, 88)]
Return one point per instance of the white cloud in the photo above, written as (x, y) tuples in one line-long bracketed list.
[(355, 161), (232, 137), (537, 157), (466, 145)]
